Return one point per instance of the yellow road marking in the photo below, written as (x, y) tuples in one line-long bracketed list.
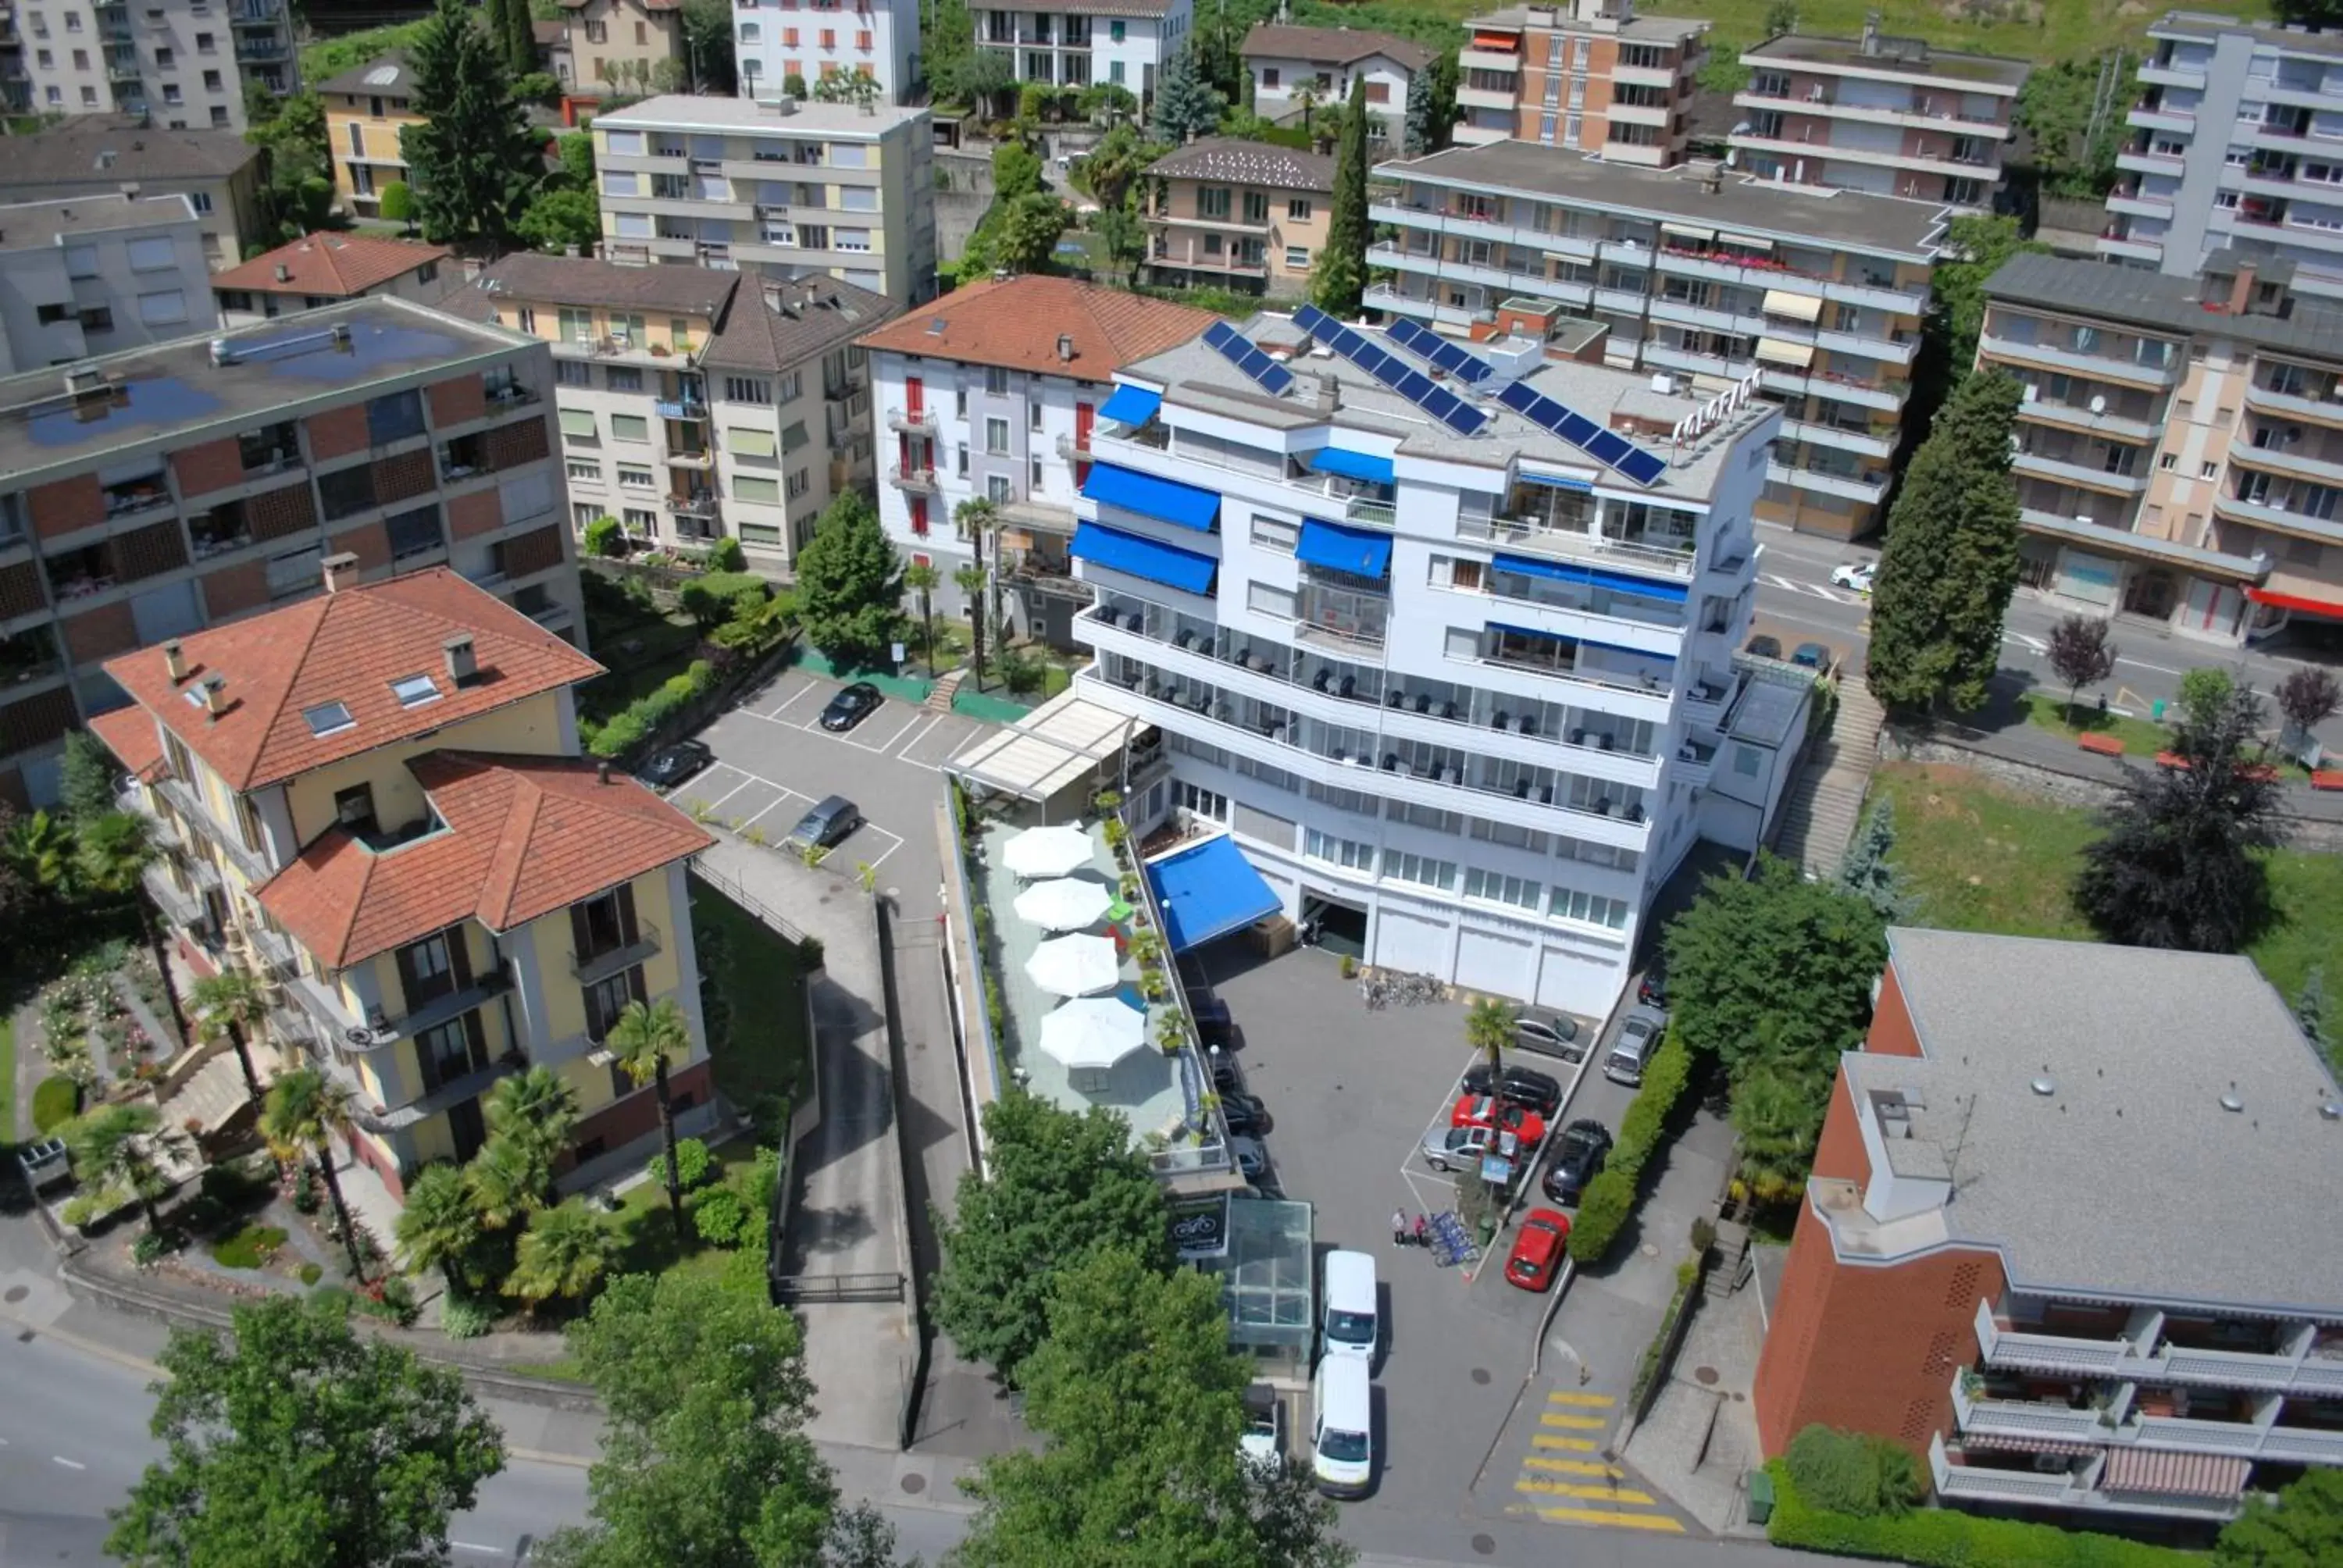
[(1578, 1489), (1572, 1466), (1659, 1522), (1582, 1423), (1577, 1444), (1598, 1401)]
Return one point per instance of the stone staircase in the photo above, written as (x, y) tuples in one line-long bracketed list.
[(1819, 813), (947, 687), (1728, 1259), (213, 1094)]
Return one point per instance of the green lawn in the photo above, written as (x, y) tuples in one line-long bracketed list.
[(1986, 858), (762, 1046), (2140, 737), (640, 651), (646, 1235), (2069, 29)]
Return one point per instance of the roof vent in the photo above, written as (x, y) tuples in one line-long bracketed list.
[(214, 690), (223, 353), (2331, 1111), (284, 273), (2231, 1102), (83, 379), (174, 660), (341, 571), (2044, 1087), (1066, 346), (463, 661)]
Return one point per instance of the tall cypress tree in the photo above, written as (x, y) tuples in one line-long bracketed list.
[(1950, 564), (519, 37), (472, 161), (1339, 281)]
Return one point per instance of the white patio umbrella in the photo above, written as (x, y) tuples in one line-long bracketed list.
[(1094, 1032), (1074, 966), (1048, 852), (1066, 904)]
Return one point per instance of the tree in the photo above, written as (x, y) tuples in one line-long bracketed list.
[(439, 1228), (849, 588), (1059, 1186), (855, 86), (2182, 863), (971, 581), (921, 578), (2081, 655), (1114, 165), (704, 1462), (1124, 234), (707, 27), (606, 537), (1777, 1113), (2308, 697), (1975, 249), (519, 41), (563, 1253), (535, 1107), (88, 776), (557, 220), (303, 1112), (1140, 1402), (1186, 105), (1867, 871), (120, 1149), (1109, 101), (472, 158), (1444, 75), (1339, 280), (1417, 130), (1027, 237), (230, 1005), (2303, 1529), (296, 1443), (396, 206), (111, 855), (1950, 564), (1781, 18), (40, 849), (645, 1039), (2205, 691), (2076, 123), (510, 1180), (1489, 1029)]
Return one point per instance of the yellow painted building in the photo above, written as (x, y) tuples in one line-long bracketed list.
[(367, 111)]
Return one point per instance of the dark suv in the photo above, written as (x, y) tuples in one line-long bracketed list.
[(1517, 1085), (1578, 1154)]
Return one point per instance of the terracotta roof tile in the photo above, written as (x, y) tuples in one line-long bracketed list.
[(1330, 45), (336, 266), (129, 734), (526, 835), (1015, 322), (346, 647), (1244, 163)]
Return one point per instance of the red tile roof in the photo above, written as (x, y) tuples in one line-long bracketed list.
[(129, 734), (1015, 322), (332, 265), (526, 835), (345, 646)]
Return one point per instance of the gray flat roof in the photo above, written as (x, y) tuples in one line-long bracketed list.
[(2138, 298), (1794, 215), (167, 391), (1657, 29), (2130, 1178), (1985, 71), (1764, 712), (2206, 24), (683, 112), (25, 224)]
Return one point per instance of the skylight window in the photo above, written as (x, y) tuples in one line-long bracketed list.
[(328, 719), (414, 691)]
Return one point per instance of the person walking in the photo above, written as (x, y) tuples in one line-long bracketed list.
[(1399, 1227), (1424, 1230)]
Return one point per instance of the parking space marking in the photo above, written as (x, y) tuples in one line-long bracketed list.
[(792, 697), (786, 796), (875, 828), (882, 748), (747, 779)]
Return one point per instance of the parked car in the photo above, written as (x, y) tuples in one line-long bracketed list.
[(674, 764), (1639, 1036), (1244, 1113), (1855, 575), (1464, 1147), (1810, 656), (1262, 1449), (1652, 990), (1225, 1077), (1548, 1033), (832, 819), (1578, 1154), (851, 707), (1539, 1091), (1487, 1110), (1537, 1250), (1252, 1157), (1763, 646)]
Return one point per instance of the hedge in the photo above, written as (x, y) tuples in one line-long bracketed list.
[(1952, 1538), (714, 597), (628, 728), (1609, 1200)]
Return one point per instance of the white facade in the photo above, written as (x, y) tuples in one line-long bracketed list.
[(1278, 82), (183, 62), (1125, 43), (778, 39), (96, 274), (1484, 770)]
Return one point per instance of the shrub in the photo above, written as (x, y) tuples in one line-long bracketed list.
[(1951, 1538), (763, 1182), (1851, 1473), (311, 1273), (57, 1100), (718, 1215), (691, 1164), (150, 1248), (727, 556), (717, 597), (605, 538), (461, 1318), (391, 1300), (1640, 1130), (306, 1196), (250, 1247), (809, 954), (1603, 1210)]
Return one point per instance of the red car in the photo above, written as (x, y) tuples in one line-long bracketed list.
[(1484, 1110), (1537, 1250)]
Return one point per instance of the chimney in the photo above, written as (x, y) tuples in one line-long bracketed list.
[(214, 690), (341, 571), (284, 273), (2241, 290), (1066, 346), (463, 663), (602, 772), (174, 660)]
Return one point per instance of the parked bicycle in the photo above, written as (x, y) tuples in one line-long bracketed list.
[(1382, 990)]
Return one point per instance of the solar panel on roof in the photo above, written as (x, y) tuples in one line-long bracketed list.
[(1608, 448), (1421, 340), (1391, 370), (1258, 368)]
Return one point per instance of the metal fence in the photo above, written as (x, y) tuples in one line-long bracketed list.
[(747, 900)]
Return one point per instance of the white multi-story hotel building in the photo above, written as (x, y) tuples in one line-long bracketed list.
[(1124, 42), (1452, 660), (810, 39)]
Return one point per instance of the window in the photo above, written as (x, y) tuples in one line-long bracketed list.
[(1269, 77), (606, 999), (212, 82), (1587, 909), (792, 386), (1265, 598), (525, 496), (1348, 853), (171, 93), (394, 417), (1399, 866), (412, 691), (996, 437), (639, 522), (751, 34), (996, 379), (996, 489), (829, 38), (625, 378), (629, 427), (1032, 415), (1213, 201), (1488, 887), (794, 436), (328, 719), (414, 533), (635, 478), (1297, 209), (598, 32), (752, 487), (1117, 31), (1297, 257), (1452, 572), (1256, 207), (1275, 534), (573, 373), (798, 484), (1748, 761), (747, 389), (164, 307), (354, 807), (862, 41)]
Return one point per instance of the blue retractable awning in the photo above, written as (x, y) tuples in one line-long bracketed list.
[(1593, 576), (1131, 406), (1143, 557), (1208, 891), (1642, 587), (1165, 500), (1352, 465), (1538, 567), (1556, 481), (1361, 552)]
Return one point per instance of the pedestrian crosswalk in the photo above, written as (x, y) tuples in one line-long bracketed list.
[(1567, 1478)]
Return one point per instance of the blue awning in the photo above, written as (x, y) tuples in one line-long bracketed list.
[(1593, 576), (1537, 567), (1557, 481), (1165, 500), (1642, 587), (1532, 631), (1361, 552), (1143, 558), (1352, 465), (1131, 406), (1630, 652), (1208, 891)]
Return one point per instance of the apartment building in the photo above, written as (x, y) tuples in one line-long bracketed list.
[(812, 39), (2067, 1237), (695, 404), (97, 274), (1238, 214), (1124, 42), (2181, 441), (798, 189), (1591, 76), (991, 394), (624, 48), (376, 800), (151, 493), (1452, 660), (104, 156), (368, 108), (1878, 114), (183, 64), (2268, 185), (1297, 69), (325, 268), (1692, 272)]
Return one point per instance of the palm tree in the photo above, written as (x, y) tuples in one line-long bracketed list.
[(113, 854), (536, 1108), (121, 1146), (303, 1111), (509, 1178), (643, 1040), (924, 579), (232, 1003), (1489, 1027), (440, 1225), (977, 517), (40, 848), (563, 1253)]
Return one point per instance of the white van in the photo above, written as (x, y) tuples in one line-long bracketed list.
[(1342, 1427), (1349, 1322)]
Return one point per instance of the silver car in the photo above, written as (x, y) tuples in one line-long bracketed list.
[(1464, 1147), (1639, 1037)]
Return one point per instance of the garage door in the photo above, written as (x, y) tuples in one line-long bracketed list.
[(1411, 943), (1488, 961), (1579, 982)]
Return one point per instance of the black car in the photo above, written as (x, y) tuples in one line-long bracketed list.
[(1225, 1079), (1517, 1085), (1577, 1156), (676, 763), (1246, 1115), (1652, 990), (851, 707), (833, 818), (1763, 646)]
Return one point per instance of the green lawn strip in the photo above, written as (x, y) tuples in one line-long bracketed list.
[(564, 1369), (762, 977), (2140, 737), (56, 1099), (2067, 29), (645, 1233)]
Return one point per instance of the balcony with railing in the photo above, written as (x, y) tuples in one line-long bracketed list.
[(614, 954), (912, 421), (255, 47), (915, 478), (1571, 532), (225, 526)]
